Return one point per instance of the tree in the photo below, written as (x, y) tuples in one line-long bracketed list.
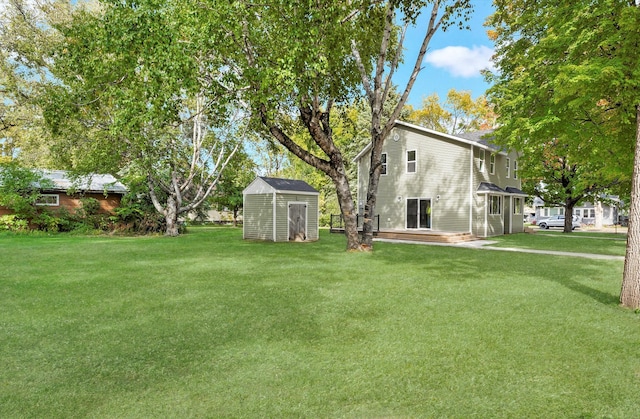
[(377, 75), (240, 172), (137, 92), (571, 71), (551, 174), (301, 65), (20, 189), (27, 42), (459, 113)]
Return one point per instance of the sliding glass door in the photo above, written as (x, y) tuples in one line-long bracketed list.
[(418, 213)]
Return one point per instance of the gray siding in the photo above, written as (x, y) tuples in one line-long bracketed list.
[(258, 217), (282, 221), (442, 170)]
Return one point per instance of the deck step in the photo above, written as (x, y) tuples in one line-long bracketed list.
[(434, 237)]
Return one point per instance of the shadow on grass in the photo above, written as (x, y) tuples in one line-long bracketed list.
[(599, 296)]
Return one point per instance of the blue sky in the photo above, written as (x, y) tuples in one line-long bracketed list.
[(454, 58)]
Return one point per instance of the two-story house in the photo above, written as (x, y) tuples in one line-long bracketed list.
[(437, 182)]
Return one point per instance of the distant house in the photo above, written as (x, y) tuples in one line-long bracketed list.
[(280, 210), (437, 182), (67, 192), (599, 213)]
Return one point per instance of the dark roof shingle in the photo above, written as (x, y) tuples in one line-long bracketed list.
[(288, 184)]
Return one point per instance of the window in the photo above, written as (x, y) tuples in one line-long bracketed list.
[(418, 213), (49, 200), (508, 167), (492, 164), (545, 212), (383, 160), (495, 205), (411, 161), (481, 157), (515, 169), (517, 206), (592, 213)]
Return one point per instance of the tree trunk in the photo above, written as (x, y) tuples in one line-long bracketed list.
[(568, 215), (630, 293), (348, 211), (372, 191), (171, 217)]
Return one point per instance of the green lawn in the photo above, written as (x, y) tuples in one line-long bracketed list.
[(208, 325), (581, 242)]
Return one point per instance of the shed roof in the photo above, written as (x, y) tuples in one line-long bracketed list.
[(262, 183), (98, 183)]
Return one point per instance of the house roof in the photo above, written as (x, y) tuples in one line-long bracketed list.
[(515, 191), (486, 187), (98, 183), (477, 138), (262, 183), (492, 188)]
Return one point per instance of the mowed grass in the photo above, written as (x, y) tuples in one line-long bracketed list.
[(209, 325), (580, 242)]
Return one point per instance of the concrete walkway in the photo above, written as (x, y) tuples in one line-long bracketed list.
[(487, 245)]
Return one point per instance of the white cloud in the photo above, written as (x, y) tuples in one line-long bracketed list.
[(462, 61)]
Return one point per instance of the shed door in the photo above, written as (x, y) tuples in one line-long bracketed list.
[(297, 221)]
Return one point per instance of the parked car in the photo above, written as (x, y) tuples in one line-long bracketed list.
[(557, 221)]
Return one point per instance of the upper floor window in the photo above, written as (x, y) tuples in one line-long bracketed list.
[(515, 169), (481, 157), (508, 167), (492, 164), (383, 161), (411, 161), (49, 200)]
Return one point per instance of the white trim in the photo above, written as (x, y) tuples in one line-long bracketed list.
[(274, 207), (385, 164), (508, 168), (432, 133), (431, 201), (471, 183), (415, 162), (306, 216), (486, 215), (42, 204)]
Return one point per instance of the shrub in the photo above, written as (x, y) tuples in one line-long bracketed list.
[(13, 223)]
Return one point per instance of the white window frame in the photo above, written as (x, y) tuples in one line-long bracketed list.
[(414, 161), (384, 158), (508, 167), (55, 203), (492, 164), (481, 158), (515, 169), (492, 209), (517, 206)]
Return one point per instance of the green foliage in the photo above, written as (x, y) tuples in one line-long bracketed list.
[(566, 90), (12, 222), (20, 188), (458, 114)]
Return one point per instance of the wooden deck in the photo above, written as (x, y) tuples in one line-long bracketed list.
[(426, 236)]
